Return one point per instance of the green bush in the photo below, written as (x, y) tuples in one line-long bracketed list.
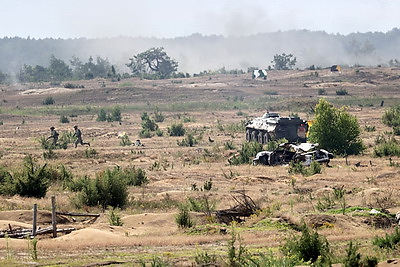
[(369, 128), (298, 167), (32, 181), (145, 133), (109, 188), (310, 246), (48, 101), (135, 176), (189, 141), (238, 254), (115, 114), (176, 129), (205, 259), (386, 147), (6, 182), (342, 92), (390, 241), (102, 116), (90, 153), (183, 218), (159, 132), (64, 119), (246, 154), (114, 218), (353, 258), (228, 145), (202, 204), (125, 141), (148, 123), (158, 116), (391, 118), (336, 130)]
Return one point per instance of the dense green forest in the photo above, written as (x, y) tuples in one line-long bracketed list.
[(196, 53)]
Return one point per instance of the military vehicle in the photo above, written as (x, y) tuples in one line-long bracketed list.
[(271, 126)]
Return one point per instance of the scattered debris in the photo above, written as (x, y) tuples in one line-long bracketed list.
[(26, 232), (261, 73), (287, 152), (245, 207), (335, 68)]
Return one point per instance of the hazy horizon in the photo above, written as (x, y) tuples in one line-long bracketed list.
[(92, 19)]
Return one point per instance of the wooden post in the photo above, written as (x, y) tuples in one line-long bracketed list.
[(34, 227), (53, 215)]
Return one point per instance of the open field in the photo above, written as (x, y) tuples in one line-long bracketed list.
[(211, 107)]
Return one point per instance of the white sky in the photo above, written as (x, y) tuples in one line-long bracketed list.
[(177, 18)]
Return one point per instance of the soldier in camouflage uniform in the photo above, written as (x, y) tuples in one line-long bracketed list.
[(53, 135), (78, 135)]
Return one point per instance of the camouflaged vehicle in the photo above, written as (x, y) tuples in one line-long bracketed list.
[(271, 126)]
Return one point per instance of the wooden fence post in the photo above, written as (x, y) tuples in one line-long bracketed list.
[(53, 215), (34, 227)]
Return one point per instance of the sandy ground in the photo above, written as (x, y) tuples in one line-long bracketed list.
[(173, 170)]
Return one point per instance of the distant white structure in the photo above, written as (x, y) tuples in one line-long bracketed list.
[(261, 73)]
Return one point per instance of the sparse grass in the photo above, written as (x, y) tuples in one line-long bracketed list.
[(171, 170)]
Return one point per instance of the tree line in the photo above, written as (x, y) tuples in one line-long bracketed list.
[(153, 63)]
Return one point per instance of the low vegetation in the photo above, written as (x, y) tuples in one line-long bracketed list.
[(186, 180)]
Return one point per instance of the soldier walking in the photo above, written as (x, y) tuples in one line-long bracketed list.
[(78, 135), (53, 135)]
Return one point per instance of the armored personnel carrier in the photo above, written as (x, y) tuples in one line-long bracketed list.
[(271, 126)]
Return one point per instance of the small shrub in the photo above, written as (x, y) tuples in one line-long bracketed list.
[(342, 92), (321, 91), (386, 147), (33, 251), (298, 167), (271, 92), (158, 116), (310, 246), (64, 119), (353, 258), (145, 133), (102, 116), (246, 154), (148, 123), (228, 145), (159, 132), (90, 153), (108, 189), (390, 241), (48, 101), (176, 130), (205, 259), (314, 168), (115, 114), (369, 128), (114, 218), (32, 180), (237, 252), (183, 218), (73, 86), (6, 182), (202, 204), (391, 118), (49, 154), (135, 176), (189, 141), (156, 262), (125, 141)]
